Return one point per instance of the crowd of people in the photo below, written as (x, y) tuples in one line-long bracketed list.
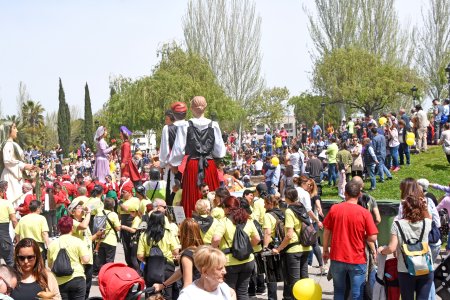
[(238, 238)]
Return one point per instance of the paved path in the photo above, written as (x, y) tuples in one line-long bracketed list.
[(327, 286)]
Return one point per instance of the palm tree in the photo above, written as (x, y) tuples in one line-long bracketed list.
[(32, 123)]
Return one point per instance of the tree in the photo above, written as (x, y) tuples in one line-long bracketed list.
[(227, 34), (63, 120), (362, 81), (32, 124), (22, 97), (50, 130), (179, 76), (308, 108), (88, 121), (434, 46), (268, 108)]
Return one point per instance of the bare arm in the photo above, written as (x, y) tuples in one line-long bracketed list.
[(393, 242), (85, 259), (216, 241), (377, 216), (267, 237), (326, 245), (46, 239), (13, 219), (174, 278)]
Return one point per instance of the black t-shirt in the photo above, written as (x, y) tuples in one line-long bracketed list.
[(304, 134), (26, 291), (189, 254)]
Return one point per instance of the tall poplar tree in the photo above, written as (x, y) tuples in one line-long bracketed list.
[(88, 122), (63, 120)]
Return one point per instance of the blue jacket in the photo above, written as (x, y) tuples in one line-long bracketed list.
[(379, 145)]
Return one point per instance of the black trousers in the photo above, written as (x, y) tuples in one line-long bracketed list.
[(295, 267), (74, 289), (88, 271), (238, 278), (106, 254), (6, 245), (50, 216)]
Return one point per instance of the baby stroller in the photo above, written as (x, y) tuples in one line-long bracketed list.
[(117, 281)]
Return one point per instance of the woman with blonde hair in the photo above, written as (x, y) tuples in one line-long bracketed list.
[(206, 222), (190, 240), (210, 263)]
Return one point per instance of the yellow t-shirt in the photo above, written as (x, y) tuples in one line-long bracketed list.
[(291, 221), (110, 236), (167, 245), (177, 198), (278, 142), (208, 235), (269, 223), (84, 235), (258, 210), (95, 205), (143, 206), (136, 222), (32, 226), (131, 204), (6, 209), (218, 213), (226, 229), (75, 248)]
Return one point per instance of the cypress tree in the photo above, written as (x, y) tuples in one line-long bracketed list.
[(63, 121), (88, 122)]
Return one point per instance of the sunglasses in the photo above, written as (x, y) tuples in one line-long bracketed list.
[(9, 288), (23, 258)]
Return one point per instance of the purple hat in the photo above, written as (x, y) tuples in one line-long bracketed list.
[(125, 130)]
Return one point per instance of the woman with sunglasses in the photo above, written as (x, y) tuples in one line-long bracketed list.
[(35, 278)]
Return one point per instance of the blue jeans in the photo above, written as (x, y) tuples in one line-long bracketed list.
[(382, 169), (394, 154), (371, 171), (404, 150), (269, 150), (332, 174), (357, 273)]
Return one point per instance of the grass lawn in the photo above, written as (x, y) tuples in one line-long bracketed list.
[(431, 165)]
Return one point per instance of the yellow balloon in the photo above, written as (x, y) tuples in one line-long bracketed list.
[(382, 121), (410, 141), (275, 161), (317, 292), (410, 135), (304, 289)]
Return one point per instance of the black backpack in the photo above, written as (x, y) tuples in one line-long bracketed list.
[(279, 228), (260, 231), (155, 266), (61, 266), (308, 235), (241, 247)]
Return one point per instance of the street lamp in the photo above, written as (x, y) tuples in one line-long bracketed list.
[(322, 105), (414, 94), (447, 70)]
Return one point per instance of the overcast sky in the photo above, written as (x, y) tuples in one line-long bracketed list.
[(89, 41)]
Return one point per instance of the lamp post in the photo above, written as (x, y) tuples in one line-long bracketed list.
[(447, 70), (322, 105), (414, 94)]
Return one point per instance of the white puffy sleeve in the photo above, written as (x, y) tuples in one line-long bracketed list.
[(219, 149), (177, 154), (164, 152)]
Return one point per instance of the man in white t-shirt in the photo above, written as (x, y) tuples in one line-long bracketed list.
[(294, 160), (258, 166)]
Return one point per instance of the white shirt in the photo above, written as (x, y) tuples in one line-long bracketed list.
[(294, 159), (192, 291), (164, 151), (259, 165), (177, 154)]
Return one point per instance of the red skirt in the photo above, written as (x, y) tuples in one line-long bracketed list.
[(191, 192)]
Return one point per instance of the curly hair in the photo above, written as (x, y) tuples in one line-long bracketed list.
[(414, 209), (236, 213), (39, 271)]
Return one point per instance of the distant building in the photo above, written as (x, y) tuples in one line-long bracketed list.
[(288, 122), (147, 141)]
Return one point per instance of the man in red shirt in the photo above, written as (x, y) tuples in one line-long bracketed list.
[(348, 226)]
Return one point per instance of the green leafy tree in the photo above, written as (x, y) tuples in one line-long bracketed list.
[(268, 107), (362, 81), (88, 122), (63, 120), (308, 108), (179, 76)]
